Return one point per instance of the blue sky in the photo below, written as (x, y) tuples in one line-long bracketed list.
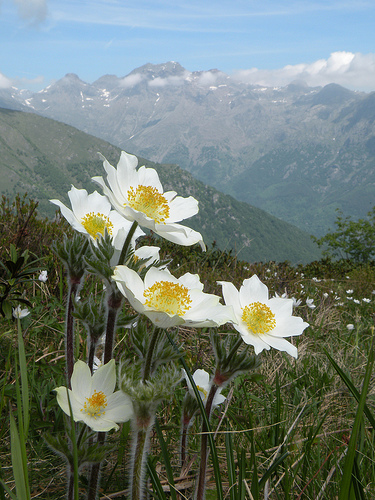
[(269, 42)]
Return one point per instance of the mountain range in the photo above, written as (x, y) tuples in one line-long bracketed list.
[(43, 157), (297, 152)]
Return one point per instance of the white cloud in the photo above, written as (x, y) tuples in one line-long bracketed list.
[(32, 10), (30, 82), (5, 82), (169, 80), (354, 71), (131, 80)]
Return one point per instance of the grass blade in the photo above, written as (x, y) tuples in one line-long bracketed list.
[(350, 456), (20, 476), (166, 460), (349, 384), (156, 484), (231, 466)]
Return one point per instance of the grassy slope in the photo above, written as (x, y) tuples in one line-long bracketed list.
[(44, 157)]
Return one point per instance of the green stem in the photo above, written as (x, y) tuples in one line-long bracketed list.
[(201, 487), (127, 243), (24, 381), (69, 332), (114, 304), (150, 352)]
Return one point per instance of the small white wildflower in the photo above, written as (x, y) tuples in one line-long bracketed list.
[(296, 302), (356, 301), (349, 292), (350, 326), (43, 276), (325, 295), (310, 303), (349, 298), (20, 313), (366, 300)]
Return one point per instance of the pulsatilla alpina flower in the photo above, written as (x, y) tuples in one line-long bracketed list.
[(138, 195), (263, 322), (92, 398), (168, 301), (91, 214), (202, 381)]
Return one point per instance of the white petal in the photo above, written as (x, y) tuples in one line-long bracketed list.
[(218, 399), (149, 177), (99, 424), (231, 297), (81, 380), (129, 280), (120, 407), (253, 290), (69, 216), (163, 320), (182, 235), (191, 281), (104, 378), (182, 208), (281, 344), (202, 378), (62, 400)]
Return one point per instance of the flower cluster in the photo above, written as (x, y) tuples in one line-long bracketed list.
[(134, 198), (111, 224)]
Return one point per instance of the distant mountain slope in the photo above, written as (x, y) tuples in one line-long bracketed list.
[(44, 157), (297, 152)]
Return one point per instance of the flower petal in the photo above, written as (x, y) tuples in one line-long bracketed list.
[(81, 381), (104, 378), (120, 407)]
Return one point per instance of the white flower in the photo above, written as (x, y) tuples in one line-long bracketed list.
[(350, 326), (325, 295), (168, 301), (203, 383), (261, 321), (91, 214), (349, 292), (138, 195), (43, 276), (150, 254), (356, 301), (296, 302), (366, 300), (92, 398), (310, 303), (20, 313)]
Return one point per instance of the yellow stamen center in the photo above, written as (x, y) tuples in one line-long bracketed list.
[(95, 223), (258, 317), (171, 298), (203, 391), (148, 200), (95, 405)]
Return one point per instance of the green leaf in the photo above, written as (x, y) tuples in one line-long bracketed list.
[(20, 476), (166, 460), (350, 456)]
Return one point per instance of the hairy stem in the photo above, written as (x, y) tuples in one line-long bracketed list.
[(140, 445), (69, 329), (201, 486)]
